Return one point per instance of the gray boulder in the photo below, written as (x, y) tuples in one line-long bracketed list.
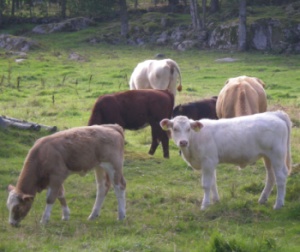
[(69, 25), (15, 43), (263, 35)]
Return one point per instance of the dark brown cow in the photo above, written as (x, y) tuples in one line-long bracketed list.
[(197, 110), (135, 109)]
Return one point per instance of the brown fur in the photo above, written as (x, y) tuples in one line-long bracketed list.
[(241, 96), (135, 109), (77, 150)]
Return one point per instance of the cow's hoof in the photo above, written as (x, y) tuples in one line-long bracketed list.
[(92, 217), (44, 222), (276, 207), (263, 200), (203, 208), (122, 217), (65, 218)]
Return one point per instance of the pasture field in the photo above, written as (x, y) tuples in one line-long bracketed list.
[(163, 195)]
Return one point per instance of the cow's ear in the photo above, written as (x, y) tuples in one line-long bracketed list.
[(10, 188), (196, 125), (27, 197), (165, 124)]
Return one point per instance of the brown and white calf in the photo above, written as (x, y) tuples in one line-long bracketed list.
[(53, 158)]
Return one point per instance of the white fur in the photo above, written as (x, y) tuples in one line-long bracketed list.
[(12, 201), (155, 74), (46, 214), (240, 141)]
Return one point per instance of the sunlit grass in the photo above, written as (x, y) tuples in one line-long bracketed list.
[(163, 196)]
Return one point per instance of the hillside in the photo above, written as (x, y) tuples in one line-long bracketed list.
[(269, 28)]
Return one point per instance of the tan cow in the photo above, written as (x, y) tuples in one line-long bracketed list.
[(53, 158), (156, 74), (240, 96)]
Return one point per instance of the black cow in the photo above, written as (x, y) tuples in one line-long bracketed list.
[(197, 110)]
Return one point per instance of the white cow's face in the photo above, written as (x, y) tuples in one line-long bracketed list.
[(180, 128), (18, 206)]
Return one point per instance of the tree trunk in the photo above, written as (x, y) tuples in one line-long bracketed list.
[(13, 5), (214, 6), (30, 7), (63, 8), (242, 31), (124, 18), (1, 11), (172, 4), (195, 15), (203, 13), (22, 124)]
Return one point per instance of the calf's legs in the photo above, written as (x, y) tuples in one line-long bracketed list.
[(103, 185), (276, 170), (55, 190), (281, 173), (63, 203), (270, 181), (104, 176), (209, 184)]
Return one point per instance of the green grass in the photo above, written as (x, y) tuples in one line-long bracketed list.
[(163, 196)]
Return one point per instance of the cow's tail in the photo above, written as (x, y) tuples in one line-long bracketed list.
[(284, 116), (174, 67)]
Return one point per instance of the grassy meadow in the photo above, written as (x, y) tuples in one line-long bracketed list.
[(163, 195)]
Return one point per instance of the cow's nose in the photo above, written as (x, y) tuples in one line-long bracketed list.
[(183, 143)]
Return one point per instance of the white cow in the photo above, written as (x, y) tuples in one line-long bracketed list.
[(241, 141), (156, 74)]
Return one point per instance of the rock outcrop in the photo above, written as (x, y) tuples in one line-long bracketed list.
[(69, 25), (16, 43)]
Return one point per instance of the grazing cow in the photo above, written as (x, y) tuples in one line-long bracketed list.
[(197, 110), (135, 109), (240, 140), (53, 158), (240, 96), (156, 74)]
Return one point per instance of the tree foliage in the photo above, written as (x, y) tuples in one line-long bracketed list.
[(91, 8)]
